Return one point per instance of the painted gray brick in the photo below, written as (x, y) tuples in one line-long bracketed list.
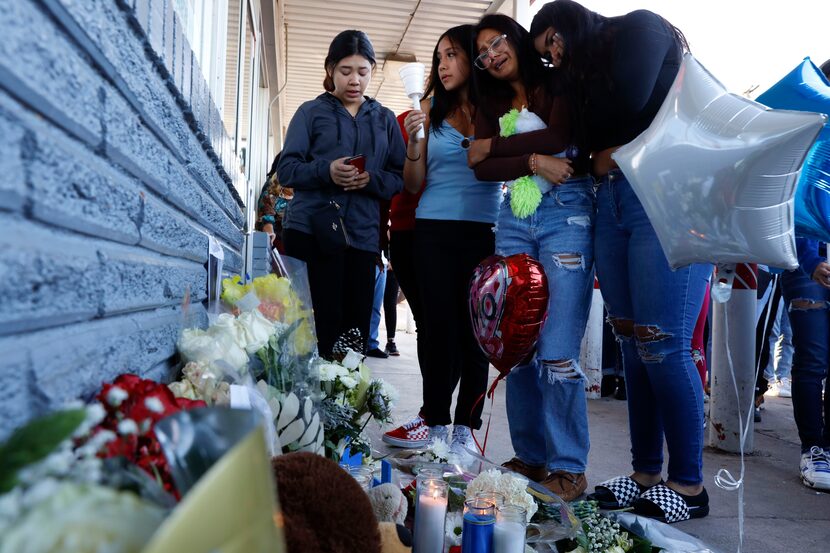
[(137, 280), (74, 361), (13, 180), (141, 16), (178, 36), (44, 70), (187, 69), (46, 278), (167, 55), (73, 188), (167, 231), (130, 143), (157, 29), (16, 404), (191, 198), (198, 89)]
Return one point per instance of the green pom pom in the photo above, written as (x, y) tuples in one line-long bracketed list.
[(507, 123), (525, 197)]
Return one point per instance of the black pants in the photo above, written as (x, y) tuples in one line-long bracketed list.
[(390, 304), (447, 253), (402, 256), (342, 286), (763, 330)]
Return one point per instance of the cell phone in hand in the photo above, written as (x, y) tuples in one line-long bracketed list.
[(357, 161)]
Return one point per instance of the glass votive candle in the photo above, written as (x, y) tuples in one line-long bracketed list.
[(477, 526), (364, 476), (430, 515), (510, 529), (495, 497)]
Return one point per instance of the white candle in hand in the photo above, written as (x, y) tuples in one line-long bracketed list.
[(508, 537), (429, 522)]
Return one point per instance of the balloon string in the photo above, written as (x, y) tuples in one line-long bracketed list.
[(724, 479), (489, 393)]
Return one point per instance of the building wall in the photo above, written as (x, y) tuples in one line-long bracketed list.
[(111, 179)]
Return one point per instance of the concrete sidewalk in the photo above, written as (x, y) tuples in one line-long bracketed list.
[(781, 515)]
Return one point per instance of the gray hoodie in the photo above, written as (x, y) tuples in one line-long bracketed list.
[(323, 130)]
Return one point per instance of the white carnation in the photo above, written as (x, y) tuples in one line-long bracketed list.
[(348, 381), (513, 488)]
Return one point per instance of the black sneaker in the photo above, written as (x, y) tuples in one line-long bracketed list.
[(620, 393), (392, 349), (375, 352)]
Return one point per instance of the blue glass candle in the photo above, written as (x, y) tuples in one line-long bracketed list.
[(478, 524)]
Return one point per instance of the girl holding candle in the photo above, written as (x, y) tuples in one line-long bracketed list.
[(453, 233)]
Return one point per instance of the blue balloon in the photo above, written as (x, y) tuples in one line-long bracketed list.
[(806, 88)]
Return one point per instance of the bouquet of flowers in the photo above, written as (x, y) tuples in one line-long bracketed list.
[(351, 399)]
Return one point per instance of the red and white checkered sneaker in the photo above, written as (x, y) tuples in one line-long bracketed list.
[(412, 434)]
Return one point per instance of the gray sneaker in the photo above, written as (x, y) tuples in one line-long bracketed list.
[(439, 432), (462, 440)]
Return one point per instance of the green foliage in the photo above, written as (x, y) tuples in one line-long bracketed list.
[(34, 441)]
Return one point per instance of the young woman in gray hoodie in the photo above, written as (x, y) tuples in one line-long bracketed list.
[(323, 135)]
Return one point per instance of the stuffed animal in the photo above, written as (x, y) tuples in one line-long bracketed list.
[(388, 503), (323, 507), (394, 538)]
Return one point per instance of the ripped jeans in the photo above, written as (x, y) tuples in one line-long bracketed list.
[(546, 405), (653, 311), (810, 322)]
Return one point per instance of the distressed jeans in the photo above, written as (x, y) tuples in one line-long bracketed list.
[(653, 311), (810, 321), (546, 405)]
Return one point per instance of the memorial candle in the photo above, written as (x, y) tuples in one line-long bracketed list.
[(430, 514)]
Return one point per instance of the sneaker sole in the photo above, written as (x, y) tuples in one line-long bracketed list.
[(409, 444), (814, 485)]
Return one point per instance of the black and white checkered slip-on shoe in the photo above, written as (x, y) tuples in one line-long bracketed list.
[(617, 493), (666, 505)]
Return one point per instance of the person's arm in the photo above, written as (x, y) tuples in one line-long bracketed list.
[(388, 181), (640, 48), (552, 140), (415, 166), (497, 169), (296, 167)]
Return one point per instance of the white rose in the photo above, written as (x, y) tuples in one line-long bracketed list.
[(230, 352), (227, 325), (198, 346), (256, 330)]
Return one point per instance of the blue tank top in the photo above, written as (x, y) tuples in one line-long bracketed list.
[(452, 191)]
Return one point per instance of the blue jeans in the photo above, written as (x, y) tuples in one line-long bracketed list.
[(377, 303), (808, 310), (546, 405), (781, 346), (653, 311)]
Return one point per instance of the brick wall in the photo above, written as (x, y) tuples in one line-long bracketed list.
[(112, 157)]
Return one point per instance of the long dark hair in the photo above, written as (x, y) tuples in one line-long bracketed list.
[(445, 102), (345, 44), (532, 71), (586, 59)]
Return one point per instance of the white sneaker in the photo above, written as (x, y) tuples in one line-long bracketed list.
[(462, 440), (439, 432), (815, 469), (785, 388)]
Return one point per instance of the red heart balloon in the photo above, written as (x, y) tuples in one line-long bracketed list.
[(508, 306)]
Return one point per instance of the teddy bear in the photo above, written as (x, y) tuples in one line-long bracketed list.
[(324, 509)]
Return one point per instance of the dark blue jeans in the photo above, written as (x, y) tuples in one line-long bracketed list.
[(653, 311), (808, 304)]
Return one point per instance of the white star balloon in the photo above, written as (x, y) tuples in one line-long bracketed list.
[(716, 173)]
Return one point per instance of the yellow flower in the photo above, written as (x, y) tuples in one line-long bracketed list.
[(233, 291)]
